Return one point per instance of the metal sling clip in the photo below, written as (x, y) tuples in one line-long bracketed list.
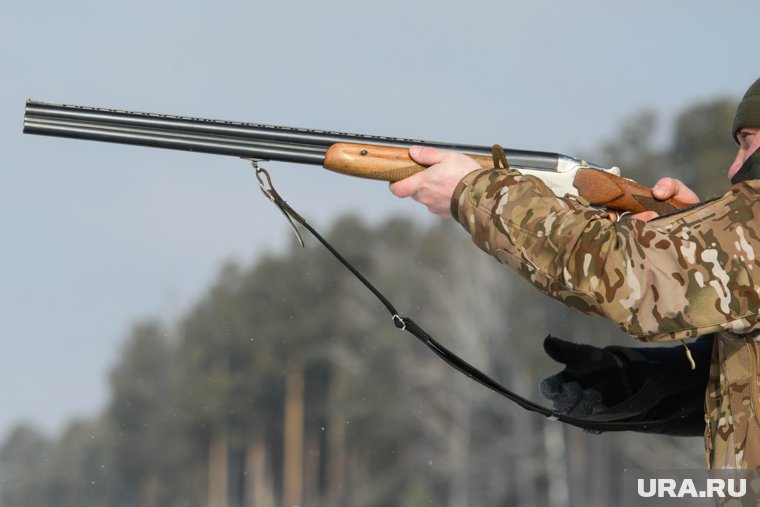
[(270, 193)]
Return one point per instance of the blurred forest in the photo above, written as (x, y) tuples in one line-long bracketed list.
[(287, 383)]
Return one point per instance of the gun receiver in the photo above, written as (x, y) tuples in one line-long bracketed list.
[(366, 156)]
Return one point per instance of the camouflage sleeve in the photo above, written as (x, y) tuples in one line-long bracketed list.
[(680, 276)]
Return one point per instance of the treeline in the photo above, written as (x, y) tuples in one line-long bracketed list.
[(287, 384)]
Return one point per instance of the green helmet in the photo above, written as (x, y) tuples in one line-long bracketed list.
[(748, 112)]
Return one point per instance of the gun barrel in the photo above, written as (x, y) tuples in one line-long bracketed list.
[(246, 140), (218, 145)]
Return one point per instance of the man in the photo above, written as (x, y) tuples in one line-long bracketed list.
[(676, 277)]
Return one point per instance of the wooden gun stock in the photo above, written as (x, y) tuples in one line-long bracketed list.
[(598, 187), (615, 192)]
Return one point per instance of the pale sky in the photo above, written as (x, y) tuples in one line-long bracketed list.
[(96, 236)]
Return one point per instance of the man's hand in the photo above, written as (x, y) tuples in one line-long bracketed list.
[(611, 379), (665, 189), (593, 378), (434, 186)]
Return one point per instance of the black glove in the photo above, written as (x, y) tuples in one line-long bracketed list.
[(596, 380), (592, 380)]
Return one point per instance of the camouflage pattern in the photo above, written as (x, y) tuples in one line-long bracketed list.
[(677, 277)]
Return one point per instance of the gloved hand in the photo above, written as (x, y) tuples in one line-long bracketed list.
[(593, 379)]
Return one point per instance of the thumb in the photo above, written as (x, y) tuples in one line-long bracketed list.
[(406, 187), (426, 155), (568, 353)]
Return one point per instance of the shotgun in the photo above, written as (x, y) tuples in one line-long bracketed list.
[(365, 156)]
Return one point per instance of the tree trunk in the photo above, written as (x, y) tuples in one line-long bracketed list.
[(312, 451), (217, 469), (556, 464), (259, 491), (218, 466), (149, 491), (292, 482), (459, 453), (336, 470)]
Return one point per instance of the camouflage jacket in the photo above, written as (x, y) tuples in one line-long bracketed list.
[(677, 277)]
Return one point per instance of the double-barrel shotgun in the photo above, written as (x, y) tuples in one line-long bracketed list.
[(366, 156)]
